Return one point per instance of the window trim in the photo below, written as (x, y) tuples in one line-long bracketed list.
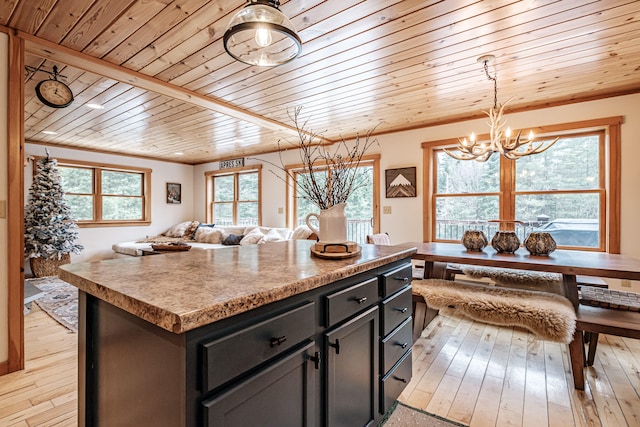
[(610, 159), (209, 177), (292, 205), (97, 210)]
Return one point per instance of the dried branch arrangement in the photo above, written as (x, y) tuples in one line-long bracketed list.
[(328, 176)]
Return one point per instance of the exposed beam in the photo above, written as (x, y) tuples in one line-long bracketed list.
[(46, 49)]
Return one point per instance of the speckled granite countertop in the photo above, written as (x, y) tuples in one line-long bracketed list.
[(185, 290)]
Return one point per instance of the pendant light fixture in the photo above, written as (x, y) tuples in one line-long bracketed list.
[(500, 141), (260, 34)]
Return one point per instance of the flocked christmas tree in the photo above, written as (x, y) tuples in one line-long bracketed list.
[(49, 229)]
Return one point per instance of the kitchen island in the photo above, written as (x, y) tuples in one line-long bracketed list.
[(266, 335)]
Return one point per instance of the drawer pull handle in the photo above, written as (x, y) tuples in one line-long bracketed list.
[(277, 341), (361, 300), (402, 279), (335, 345), (400, 379), (316, 359), (403, 345), (401, 310)]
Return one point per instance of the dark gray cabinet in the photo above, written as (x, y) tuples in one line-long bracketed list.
[(352, 371), (337, 355)]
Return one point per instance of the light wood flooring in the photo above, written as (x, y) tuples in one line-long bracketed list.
[(45, 392), (470, 372), (483, 375)]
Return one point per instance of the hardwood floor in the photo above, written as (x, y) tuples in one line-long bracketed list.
[(483, 375), (45, 392), (470, 372)]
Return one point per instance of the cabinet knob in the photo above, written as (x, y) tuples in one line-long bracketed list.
[(400, 379), (401, 309), (402, 279), (336, 346), (361, 300), (274, 342), (402, 344)]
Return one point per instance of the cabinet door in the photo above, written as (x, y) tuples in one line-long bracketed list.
[(281, 395), (352, 366)]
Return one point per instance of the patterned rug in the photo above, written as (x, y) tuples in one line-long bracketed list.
[(60, 300), (406, 416)]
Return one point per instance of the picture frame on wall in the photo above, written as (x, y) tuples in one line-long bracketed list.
[(174, 193), (400, 182)]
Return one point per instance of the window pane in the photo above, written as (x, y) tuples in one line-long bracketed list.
[(223, 188), (454, 215), (121, 208), (248, 213), (464, 176), (572, 219), (76, 180), (81, 207), (359, 208), (122, 183), (571, 164), (223, 213), (248, 186)]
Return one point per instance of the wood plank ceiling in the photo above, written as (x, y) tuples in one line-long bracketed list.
[(160, 70)]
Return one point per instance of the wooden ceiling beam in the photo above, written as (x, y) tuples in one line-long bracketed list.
[(46, 49)]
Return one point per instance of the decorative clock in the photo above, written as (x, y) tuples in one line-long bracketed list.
[(53, 92)]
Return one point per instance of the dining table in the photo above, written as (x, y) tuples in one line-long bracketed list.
[(568, 263)]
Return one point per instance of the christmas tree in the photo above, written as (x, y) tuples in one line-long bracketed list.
[(49, 229)]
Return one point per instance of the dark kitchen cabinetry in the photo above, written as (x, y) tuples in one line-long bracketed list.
[(337, 355)]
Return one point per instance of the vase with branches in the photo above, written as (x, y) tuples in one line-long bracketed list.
[(328, 175)]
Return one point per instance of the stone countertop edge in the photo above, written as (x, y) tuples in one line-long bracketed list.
[(152, 288)]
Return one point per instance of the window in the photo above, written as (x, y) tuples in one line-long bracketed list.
[(233, 196), (361, 210), (106, 194), (570, 191)]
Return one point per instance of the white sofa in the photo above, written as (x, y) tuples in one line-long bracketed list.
[(207, 236)]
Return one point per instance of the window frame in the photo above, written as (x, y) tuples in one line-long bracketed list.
[(293, 170), (97, 169), (209, 186), (609, 188)]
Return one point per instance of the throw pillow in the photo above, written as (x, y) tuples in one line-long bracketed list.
[(272, 236), (232, 239), (201, 226), (191, 229), (208, 235), (252, 237), (177, 230), (301, 232)]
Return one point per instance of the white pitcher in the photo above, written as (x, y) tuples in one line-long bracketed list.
[(333, 224)]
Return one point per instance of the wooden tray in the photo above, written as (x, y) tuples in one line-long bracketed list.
[(170, 247), (336, 255)]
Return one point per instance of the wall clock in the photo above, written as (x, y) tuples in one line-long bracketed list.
[(54, 93)]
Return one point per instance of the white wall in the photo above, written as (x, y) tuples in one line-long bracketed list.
[(97, 241)]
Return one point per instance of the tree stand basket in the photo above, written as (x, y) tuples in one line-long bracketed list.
[(42, 267)]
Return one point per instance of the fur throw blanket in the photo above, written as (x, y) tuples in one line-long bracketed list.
[(511, 278), (549, 316)]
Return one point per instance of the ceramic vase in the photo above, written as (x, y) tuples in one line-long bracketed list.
[(540, 243), (505, 242), (333, 224), (474, 240)]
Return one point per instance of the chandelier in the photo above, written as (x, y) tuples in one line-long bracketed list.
[(260, 34), (499, 141)]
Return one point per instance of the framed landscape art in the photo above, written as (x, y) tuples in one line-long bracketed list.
[(400, 182)]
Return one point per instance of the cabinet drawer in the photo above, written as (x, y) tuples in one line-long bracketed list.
[(234, 354), (396, 279), (347, 302), (396, 344), (395, 310), (394, 382)]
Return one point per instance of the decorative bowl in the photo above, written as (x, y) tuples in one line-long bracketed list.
[(474, 240), (505, 242), (540, 243)]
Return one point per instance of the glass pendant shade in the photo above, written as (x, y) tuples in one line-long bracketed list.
[(261, 35)]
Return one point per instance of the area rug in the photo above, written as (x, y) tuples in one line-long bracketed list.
[(60, 300), (406, 416)]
